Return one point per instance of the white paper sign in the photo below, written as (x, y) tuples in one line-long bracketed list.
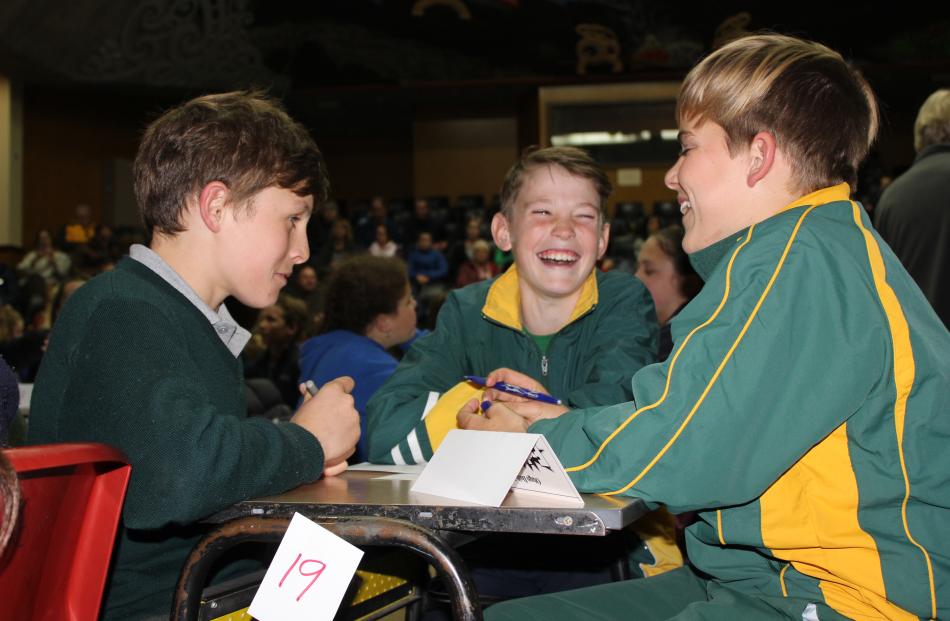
[(482, 466), (308, 576)]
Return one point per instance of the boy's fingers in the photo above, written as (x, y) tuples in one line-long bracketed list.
[(336, 469), (496, 395), (345, 382), (468, 420)]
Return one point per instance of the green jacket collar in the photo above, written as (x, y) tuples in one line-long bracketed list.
[(503, 302), (705, 261)]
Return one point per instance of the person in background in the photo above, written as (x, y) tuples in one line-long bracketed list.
[(383, 245), (321, 224), (428, 270), (913, 215), (306, 285), (664, 268), (79, 231), (427, 265), (370, 310), (100, 253), (423, 220), (462, 250), (45, 261), (367, 229), (480, 267), (11, 324), (278, 330), (340, 246)]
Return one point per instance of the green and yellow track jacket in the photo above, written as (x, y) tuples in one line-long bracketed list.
[(804, 412), (590, 361)]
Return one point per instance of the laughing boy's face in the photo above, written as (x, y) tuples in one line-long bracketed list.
[(556, 232)]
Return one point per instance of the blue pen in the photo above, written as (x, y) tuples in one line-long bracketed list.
[(511, 389)]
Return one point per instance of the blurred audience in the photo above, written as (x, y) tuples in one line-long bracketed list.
[(383, 245), (78, 231), (320, 225), (45, 260), (338, 247), (479, 267), (423, 221), (273, 352), (462, 250), (367, 227), (305, 285)]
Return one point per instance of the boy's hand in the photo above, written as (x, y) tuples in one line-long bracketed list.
[(497, 418), (510, 376), (533, 411), (333, 421)]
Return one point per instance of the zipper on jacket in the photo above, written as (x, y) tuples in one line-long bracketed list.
[(544, 365)]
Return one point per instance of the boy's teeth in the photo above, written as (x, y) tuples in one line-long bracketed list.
[(558, 256), (685, 206)]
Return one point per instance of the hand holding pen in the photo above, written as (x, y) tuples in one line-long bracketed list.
[(519, 393)]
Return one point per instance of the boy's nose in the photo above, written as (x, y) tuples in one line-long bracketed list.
[(563, 228), (671, 177), (300, 250)]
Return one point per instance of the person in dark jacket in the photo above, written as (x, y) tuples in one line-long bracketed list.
[(913, 215)]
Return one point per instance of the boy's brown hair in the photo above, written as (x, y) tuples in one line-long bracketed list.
[(243, 139), (575, 161), (820, 110), (362, 288)]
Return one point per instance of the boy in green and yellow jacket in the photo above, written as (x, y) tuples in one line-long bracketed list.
[(803, 411), (587, 362), (552, 322)]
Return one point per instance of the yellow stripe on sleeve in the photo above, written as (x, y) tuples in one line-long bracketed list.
[(673, 360), (442, 417), (904, 372)]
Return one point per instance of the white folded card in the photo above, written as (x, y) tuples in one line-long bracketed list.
[(482, 466)]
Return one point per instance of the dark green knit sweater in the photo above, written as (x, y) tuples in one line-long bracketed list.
[(133, 363)]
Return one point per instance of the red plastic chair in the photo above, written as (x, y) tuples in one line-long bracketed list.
[(56, 563)]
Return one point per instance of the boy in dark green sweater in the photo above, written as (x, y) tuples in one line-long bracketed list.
[(145, 357)]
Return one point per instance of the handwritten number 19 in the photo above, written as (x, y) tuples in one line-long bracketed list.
[(315, 573)]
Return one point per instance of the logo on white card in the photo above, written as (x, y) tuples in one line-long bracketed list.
[(535, 463)]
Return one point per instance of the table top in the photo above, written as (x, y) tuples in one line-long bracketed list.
[(361, 493)]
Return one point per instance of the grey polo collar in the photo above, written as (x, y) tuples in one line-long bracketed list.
[(232, 335)]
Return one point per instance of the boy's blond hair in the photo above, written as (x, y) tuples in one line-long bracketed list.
[(820, 110), (575, 161)]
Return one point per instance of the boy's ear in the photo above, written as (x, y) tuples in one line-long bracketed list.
[(603, 240), (501, 231), (212, 204), (761, 156), (382, 323)]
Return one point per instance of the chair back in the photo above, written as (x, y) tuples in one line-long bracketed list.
[(57, 561)]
